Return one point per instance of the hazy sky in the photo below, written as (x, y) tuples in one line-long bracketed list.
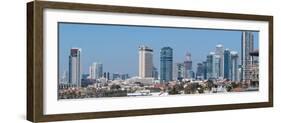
[(116, 46)]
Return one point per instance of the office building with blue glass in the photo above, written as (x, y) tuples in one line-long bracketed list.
[(166, 64), (227, 64)]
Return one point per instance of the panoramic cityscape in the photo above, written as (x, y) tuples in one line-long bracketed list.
[(157, 70)]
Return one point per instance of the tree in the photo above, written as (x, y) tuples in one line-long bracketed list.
[(210, 84), (175, 90), (200, 89), (191, 88), (115, 87), (229, 87)]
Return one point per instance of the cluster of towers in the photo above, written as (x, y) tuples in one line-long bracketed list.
[(96, 71), (75, 75), (219, 64), (222, 63), (146, 68)]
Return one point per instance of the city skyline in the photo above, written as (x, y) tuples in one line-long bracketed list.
[(100, 48)]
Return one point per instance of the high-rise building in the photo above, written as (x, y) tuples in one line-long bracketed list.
[(85, 76), (75, 67), (119, 76), (234, 66), (239, 73), (200, 71), (255, 68), (192, 74), (85, 81), (155, 73), (96, 70), (179, 71), (145, 62), (216, 66), (166, 64), (124, 76), (227, 64), (64, 78), (106, 75), (247, 46), (210, 64), (220, 52), (205, 70), (116, 76), (188, 65)]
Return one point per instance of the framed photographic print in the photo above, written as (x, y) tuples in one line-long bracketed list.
[(90, 61)]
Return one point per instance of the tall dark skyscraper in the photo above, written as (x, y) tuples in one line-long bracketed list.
[(227, 64), (75, 67), (205, 70), (210, 62), (200, 71), (166, 64), (247, 46), (188, 65), (106, 75)]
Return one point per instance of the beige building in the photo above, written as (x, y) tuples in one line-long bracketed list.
[(145, 62), (254, 74)]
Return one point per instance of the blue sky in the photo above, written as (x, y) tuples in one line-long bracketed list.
[(116, 46)]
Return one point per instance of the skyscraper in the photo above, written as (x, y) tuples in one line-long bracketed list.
[(210, 61), (204, 70), (227, 64), (255, 68), (155, 73), (178, 71), (106, 75), (96, 70), (75, 67), (239, 73), (200, 71), (220, 52), (188, 65), (166, 64), (216, 66), (64, 78), (116, 76), (247, 46), (145, 62), (234, 66), (124, 76)]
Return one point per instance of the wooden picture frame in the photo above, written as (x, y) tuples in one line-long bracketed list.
[(35, 60)]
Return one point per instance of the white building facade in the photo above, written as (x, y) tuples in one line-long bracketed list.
[(75, 67), (145, 62), (96, 70)]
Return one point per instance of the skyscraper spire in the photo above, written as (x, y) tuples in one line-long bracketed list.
[(187, 56)]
